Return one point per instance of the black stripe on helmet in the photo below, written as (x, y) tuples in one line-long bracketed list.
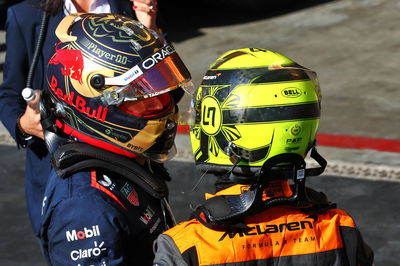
[(261, 75), (271, 113)]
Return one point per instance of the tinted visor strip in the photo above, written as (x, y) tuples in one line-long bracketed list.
[(166, 74), (271, 114)]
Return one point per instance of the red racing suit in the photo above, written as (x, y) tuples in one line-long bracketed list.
[(280, 235)]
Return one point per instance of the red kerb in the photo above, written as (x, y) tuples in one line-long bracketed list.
[(344, 141)]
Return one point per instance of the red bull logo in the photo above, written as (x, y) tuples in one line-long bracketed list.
[(71, 60), (78, 102)]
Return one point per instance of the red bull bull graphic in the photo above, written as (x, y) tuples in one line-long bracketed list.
[(71, 60)]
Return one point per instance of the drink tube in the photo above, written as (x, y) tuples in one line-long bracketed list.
[(51, 139), (29, 96)]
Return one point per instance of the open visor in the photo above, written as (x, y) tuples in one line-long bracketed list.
[(159, 73)]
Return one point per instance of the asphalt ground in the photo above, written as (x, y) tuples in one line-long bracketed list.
[(352, 44), (374, 204)]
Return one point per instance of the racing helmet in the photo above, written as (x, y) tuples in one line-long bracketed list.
[(253, 104), (110, 82)]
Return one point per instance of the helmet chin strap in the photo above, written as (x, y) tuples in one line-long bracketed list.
[(228, 211), (271, 167)]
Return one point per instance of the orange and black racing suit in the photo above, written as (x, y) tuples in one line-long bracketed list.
[(280, 235)]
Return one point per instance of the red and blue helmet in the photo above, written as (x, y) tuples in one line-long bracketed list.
[(110, 80)]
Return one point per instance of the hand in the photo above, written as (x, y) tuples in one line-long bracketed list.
[(30, 120), (146, 13)]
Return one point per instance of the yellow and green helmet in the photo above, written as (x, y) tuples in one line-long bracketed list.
[(253, 104)]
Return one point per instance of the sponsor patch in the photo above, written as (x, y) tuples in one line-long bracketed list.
[(105, 181), (95, 251), (147, 216), (86, 232), (130, 193)]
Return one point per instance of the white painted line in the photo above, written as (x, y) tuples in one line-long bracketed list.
[(335, 167)]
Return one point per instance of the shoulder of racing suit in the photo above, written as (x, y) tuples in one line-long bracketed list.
[(93, 205), (89, 227), (276, 235)]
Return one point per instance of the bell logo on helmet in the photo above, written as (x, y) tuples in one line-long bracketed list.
[(291, 92)]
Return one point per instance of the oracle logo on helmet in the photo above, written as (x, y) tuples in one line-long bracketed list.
[(158, 56)]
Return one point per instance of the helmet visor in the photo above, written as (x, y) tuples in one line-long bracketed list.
[(159, 73)]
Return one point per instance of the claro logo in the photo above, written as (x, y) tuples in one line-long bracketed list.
[(83, 234), (88, 253), (269, 229)]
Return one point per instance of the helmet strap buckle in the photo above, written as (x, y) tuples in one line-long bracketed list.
[(232, 151)]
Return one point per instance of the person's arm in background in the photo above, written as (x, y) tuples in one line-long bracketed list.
[(16, 67), (146, 13), (358, 252)]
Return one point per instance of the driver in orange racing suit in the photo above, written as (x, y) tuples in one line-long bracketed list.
[(256, 118)]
